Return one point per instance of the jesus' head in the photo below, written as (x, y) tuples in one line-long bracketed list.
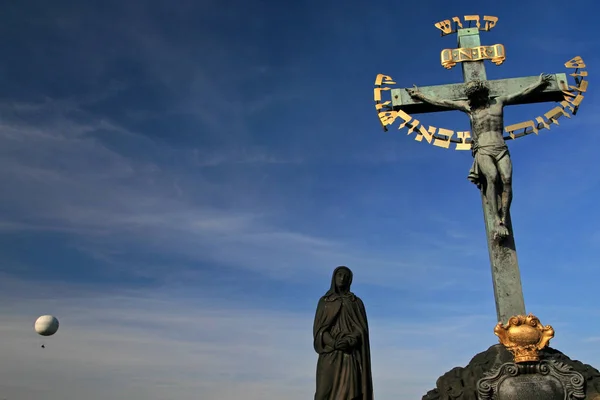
[(477, 91)]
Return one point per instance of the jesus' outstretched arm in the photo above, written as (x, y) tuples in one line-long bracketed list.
[(542, 82), (415, 93)]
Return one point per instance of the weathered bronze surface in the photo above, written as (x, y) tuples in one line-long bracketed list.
[(492, 161), (483, 101), (341, 338), (461, 383), (524, 336), (546, 380), (401, 100)]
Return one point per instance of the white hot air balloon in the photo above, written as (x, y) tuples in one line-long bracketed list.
[(46, 325)]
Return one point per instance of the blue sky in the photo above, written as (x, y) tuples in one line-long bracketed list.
[(181, 180)]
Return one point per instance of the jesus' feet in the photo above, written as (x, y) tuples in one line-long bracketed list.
[(500, 231)]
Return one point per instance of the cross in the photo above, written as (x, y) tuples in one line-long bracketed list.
[(508, 292)]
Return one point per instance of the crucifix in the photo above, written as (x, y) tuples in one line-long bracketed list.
[(483, 101)]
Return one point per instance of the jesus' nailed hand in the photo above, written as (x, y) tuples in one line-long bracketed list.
[(492, 167)]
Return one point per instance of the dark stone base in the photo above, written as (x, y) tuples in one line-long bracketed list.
[(461, 383)]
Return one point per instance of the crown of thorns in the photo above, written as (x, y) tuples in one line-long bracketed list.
[(476, 86)]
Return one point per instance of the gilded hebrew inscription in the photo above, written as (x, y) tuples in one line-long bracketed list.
[(567, 108), (452, 25), (443, 138)]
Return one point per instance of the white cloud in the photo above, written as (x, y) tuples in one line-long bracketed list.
[(144, 345)]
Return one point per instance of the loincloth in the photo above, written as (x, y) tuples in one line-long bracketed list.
[(496, 151)]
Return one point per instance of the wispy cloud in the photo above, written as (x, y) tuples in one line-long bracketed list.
[(67, 175), (145, 345)]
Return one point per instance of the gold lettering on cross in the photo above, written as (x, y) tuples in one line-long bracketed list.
[(441, 137), (447, 27), (495, 53)]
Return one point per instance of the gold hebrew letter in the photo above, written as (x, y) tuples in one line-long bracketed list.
[(413, 125), (490, 22), (473, 18), (457, 20), (580, 73), (575, 62), (379, 106), (444, 26), (511, 129), (463, 145), (377, 93), (566, 104), (427, 133), (554, 114), (387, 117), (405, 117), (540, 120), (440, 142), (385, 79), (581, 88), (575, 101), (571, 91), (423, 132)]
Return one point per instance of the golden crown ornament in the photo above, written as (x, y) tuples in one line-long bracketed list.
[(524, 336)]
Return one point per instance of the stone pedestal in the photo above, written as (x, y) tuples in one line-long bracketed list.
[(485, 369)]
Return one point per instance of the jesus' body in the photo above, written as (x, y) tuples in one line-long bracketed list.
[(492, 167)]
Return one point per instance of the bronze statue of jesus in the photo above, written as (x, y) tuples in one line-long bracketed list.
[(489, 150)]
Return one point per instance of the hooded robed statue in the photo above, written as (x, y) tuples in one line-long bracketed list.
[(341, 338)]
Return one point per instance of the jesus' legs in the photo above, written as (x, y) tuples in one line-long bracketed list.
[(489, 170), (505, 170)]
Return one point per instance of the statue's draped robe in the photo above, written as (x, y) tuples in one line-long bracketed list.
[(342, 375)]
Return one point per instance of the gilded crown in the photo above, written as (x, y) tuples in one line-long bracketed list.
[(524, 336)]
